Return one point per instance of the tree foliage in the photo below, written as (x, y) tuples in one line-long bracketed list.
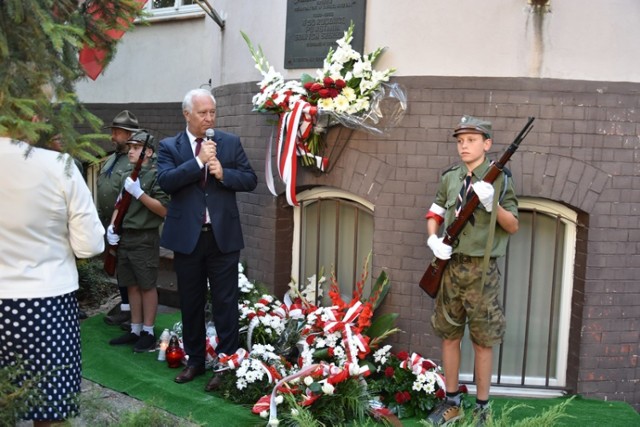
[(39, 45)]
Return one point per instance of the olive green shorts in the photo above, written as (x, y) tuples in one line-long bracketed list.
[(138, 258), (463, 299)]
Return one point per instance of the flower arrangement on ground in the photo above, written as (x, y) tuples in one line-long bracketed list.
[(347, 90), (306, 364), (408, 385)]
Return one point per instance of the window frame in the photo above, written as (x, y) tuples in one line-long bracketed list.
[(534, 386), (178, 10), (318, 193)]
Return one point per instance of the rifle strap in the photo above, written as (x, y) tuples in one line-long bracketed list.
[(490, 238)]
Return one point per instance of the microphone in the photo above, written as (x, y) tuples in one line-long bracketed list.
[(209, 133)]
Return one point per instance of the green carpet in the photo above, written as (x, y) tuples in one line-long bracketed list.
[(141, 376)]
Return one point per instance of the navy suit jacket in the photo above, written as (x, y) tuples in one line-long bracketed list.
[(180, 176)]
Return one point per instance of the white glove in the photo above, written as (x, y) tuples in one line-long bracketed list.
[(485, 191), (112, 237), (133, 187), (439, 249)]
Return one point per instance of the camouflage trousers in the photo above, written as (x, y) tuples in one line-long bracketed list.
[(465, 301)]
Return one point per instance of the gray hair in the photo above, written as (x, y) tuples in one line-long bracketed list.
[(187, 102)]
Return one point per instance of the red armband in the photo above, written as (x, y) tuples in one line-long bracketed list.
[(437, 213)]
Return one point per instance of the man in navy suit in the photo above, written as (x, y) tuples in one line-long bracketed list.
[(202, 171)]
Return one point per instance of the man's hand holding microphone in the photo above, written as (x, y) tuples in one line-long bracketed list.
[(213, 165)]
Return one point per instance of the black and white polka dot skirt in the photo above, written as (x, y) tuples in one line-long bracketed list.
[(45, 334)]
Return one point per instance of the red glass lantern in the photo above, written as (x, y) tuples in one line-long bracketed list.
[(174, 353)]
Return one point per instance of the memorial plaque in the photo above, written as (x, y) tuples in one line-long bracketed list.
[(313, 26)]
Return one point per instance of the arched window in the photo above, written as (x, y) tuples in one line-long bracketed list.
[(333, 230), (537, 276)]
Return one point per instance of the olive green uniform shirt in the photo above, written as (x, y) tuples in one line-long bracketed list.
[(473, 238), (109, 185), (138, 216)]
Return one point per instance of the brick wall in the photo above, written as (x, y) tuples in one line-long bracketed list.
[(583, 152)]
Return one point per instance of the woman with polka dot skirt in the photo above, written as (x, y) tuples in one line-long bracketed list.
[(48, 220)]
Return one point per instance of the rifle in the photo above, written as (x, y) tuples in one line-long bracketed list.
[(430, 281), (111, 254)]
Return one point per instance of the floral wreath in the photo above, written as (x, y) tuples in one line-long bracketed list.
[(347, 91)]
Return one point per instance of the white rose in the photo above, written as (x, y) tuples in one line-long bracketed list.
[(327, 388)]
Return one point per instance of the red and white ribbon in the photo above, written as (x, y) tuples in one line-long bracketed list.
[(352, 341), (233, 361), (294, 127)]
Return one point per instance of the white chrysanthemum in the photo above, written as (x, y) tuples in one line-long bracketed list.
[(341, 103), (349, 93), (332, 339), (429, 388), (325, 104)]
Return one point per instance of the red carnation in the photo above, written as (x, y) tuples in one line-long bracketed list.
[(316, 87), (333, 93), (427, 364), (403, 355), (463, 389), (340, 83), (324, 93), (308, 85), (328, 81), (389, 372), (440, 394), (402, 397)]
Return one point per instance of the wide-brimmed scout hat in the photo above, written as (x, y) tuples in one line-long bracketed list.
[(125, 120), (139, 137), (470, 124)]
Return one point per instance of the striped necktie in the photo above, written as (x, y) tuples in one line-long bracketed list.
[(465, 194)]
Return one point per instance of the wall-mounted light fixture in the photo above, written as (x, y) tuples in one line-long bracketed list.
[(540, 6)]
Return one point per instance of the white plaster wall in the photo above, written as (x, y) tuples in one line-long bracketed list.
[(578, 40)]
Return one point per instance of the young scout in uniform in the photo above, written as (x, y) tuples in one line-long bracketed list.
[(462, 294), (139, 245)]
